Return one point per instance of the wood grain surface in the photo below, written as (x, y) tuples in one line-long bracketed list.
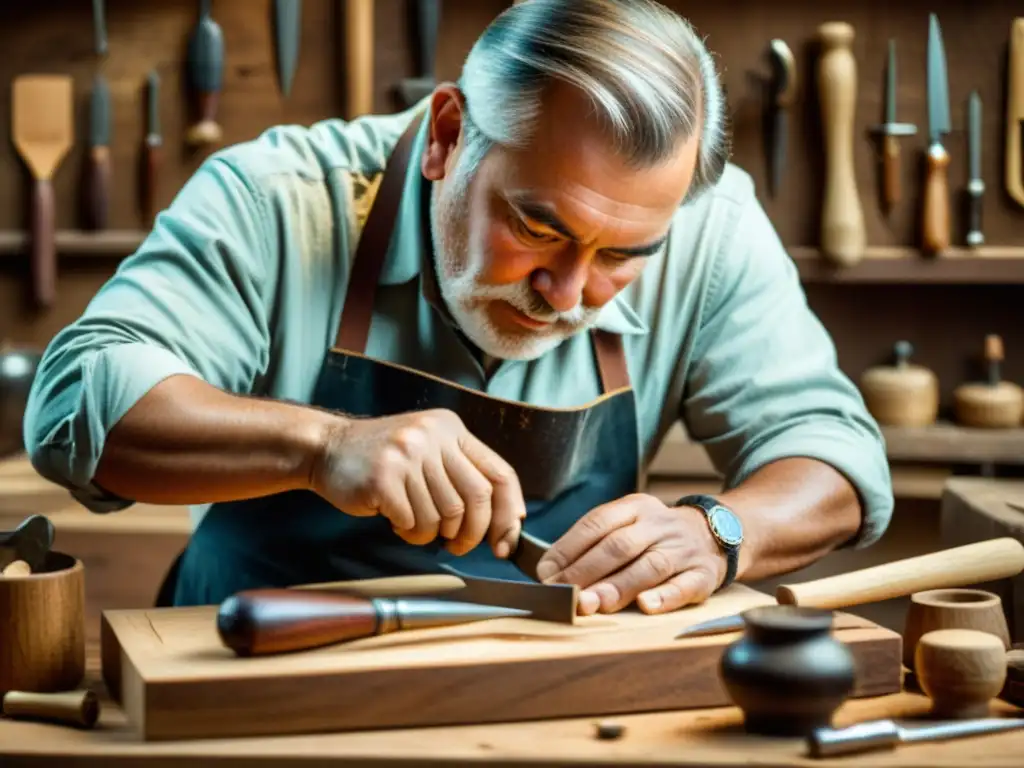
[(177, 680)]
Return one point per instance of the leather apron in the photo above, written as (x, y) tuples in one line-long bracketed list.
[(568, 460)]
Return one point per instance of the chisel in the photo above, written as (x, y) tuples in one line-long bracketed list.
[(206, 72), (975, 184), (99, 168), (936, 225), (783, 95), (153, 148), (955, 567), (890, 130)]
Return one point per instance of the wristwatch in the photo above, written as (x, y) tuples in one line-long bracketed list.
[(725, 527)]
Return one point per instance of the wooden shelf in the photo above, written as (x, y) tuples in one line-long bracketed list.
[(952, 444), (986, 265), (106, 243)]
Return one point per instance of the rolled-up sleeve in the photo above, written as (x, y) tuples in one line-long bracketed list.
[(765, 383), (190, 301)]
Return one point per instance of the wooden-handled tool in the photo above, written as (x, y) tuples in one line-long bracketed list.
[(99, 168), (266, 621), (206, 71), (956, 567), (359, 57), (890, 130), (153, 150), (843, 237), (42, 129), (80, 708), (1014, 171), (935, 232)]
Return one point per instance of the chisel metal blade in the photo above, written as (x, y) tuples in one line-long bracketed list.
[(723, 625), (288, 28)]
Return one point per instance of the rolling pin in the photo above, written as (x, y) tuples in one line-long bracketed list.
[(956, 567), (81, 708), (264, 621), (843, 236)]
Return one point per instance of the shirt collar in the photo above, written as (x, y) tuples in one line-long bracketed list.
[(410, 248)]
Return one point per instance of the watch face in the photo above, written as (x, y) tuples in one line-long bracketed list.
[(726, 526)]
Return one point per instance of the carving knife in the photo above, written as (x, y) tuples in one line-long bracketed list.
[(288, 28), (1015, 112), (426, 23), (890, 130), (975, 184), (955, 567), (936, 225), (206, 72), (99, 25), (783, 93), (99, 165), (153, 147)]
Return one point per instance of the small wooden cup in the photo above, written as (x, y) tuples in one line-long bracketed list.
[(961, 671), (42, 627), (952, 609)]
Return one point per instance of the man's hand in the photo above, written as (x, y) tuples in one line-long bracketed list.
[(427, 475), (637, 548)]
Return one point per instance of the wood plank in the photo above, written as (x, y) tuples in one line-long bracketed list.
[(176, 680), (988, 265)]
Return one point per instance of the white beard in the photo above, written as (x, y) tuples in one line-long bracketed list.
[(458, 267)]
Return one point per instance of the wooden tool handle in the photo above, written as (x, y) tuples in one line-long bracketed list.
[(956, 567), (98, 186), (262, 621), (81, 708), (843, 235), (891, 171), (359, 68), (1013, 171), (207, 130), (393, 586), (151, 178), (44, 247), (935, 231)]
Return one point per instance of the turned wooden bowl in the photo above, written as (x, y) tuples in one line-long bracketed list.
[(961, 671), (952, 609), (989, 406), (42, 627)]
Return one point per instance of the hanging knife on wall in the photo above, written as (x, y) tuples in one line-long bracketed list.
[(936, 224), (288, 30), (99, 167), (425, 24), (153, 148), (889, 131), (975, 184), (206, 72), (783, 91)]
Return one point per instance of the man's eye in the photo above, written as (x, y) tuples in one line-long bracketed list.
[(520, 228)]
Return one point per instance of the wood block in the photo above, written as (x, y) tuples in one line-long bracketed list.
[(175, 680)]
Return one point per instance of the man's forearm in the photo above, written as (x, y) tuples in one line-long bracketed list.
[(794, 511), (187, 442)]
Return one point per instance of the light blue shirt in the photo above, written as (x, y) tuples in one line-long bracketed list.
[(242, 281)]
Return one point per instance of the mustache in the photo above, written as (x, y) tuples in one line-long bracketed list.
[(524, 298)]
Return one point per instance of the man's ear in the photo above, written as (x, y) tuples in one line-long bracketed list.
[(447, 105)]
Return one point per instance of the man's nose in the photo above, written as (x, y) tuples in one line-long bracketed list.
[(561, 285)]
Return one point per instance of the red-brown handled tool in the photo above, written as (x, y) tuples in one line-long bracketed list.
[(42, 130), (266, 621), (99, 166)]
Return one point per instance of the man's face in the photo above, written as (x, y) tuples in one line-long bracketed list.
[(532, 246)]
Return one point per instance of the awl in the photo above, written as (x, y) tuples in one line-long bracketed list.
[(970, 564)]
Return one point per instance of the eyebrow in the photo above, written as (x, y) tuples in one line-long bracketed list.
[(542, 214)]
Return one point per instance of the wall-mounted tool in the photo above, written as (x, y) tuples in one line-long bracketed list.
[(783, 93), (153, 149), (890, 130), (425, 24), (935, 232), (99, 26), (975, 184), (288, 31), (206, 73), (1015, 112), (993, 403), (99, 168), (42, 129), (843, 237), (358, 57)]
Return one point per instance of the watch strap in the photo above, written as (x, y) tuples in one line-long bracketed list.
[(706, 504)]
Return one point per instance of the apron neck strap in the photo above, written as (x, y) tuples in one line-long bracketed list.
[(611, 360)]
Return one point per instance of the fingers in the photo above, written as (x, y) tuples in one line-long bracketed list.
[(617, 591), (568, 552), (475, 491), (507, 505), (426, 515), (687, 588), (447, 500)]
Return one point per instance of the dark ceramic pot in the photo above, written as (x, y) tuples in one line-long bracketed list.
[(788, 673)]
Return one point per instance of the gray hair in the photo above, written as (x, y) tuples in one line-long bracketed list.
[(644, 68)]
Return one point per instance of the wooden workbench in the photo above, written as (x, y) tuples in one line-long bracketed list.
[(693, 738)]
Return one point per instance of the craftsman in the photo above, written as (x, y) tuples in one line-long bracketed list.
[(555, 252)]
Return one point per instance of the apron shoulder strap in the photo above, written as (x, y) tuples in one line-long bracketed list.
[(611, 360), (372, 249)]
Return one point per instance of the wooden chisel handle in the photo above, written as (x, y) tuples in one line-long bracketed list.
[(359, 57), (843, 236), (44, 246), (393, 586), (891, 171), (956, 567), (100, 173), (935, 232), (150, 178)]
